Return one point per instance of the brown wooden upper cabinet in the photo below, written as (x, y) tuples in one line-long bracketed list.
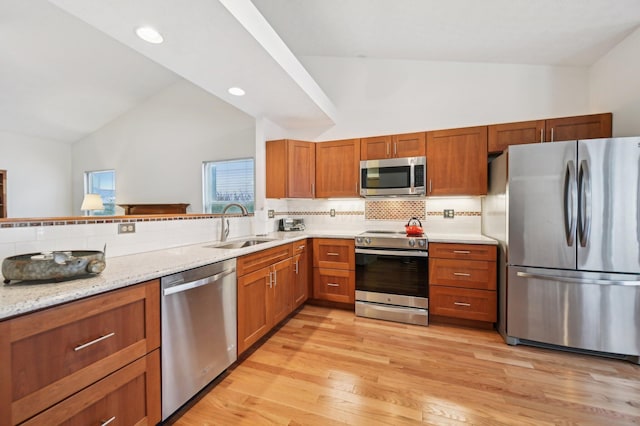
[(290, 169), (338, 168), (457, 161), (554, 129), (393, 146)]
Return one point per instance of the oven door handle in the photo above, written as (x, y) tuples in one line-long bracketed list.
[(399, 253)]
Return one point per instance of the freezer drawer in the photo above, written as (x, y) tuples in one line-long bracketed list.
[(593, 311)]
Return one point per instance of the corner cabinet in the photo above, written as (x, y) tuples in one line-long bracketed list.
[(394, 146), (338, 168), (334, 270), (457, 161), (550, 130), (84, 362), (290, 169), (463, 282)]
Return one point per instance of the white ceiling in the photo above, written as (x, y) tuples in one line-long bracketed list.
[(543, 32), (62, 77)]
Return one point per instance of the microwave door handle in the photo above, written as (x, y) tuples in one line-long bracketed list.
[(412, 178)]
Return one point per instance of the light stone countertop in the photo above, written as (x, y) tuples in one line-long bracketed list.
[(20, 298)]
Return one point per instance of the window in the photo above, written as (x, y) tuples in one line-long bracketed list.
[(225, 182), (102, 182)]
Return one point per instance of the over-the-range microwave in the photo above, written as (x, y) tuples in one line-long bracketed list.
[(393, 177)]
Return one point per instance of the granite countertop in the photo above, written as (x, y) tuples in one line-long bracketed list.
[(121, 271)]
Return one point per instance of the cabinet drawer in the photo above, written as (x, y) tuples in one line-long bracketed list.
[(253, 262), (479, 305), (334, 253), (129, 396), (476, 274), (58, 351), (299, 247), (334, 284), (462, 251)]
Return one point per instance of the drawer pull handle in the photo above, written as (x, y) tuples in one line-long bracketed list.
[(301, 247), (461, 274), (99, 339), (333, 285), (462, 252), (462, 304), (333, 254), (106, 422)]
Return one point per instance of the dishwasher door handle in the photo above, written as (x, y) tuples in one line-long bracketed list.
[(198, 283)]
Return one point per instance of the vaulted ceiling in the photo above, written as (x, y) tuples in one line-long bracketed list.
[(67, 67)]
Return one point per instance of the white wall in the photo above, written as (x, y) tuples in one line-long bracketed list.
[(375, 96), (158, 147), (38, 176), (615, 85)]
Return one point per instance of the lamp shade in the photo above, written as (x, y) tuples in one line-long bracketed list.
[(92, 202)]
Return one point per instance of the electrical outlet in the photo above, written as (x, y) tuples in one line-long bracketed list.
[(271, 214), (332, 212), (126, 228), (448, 214)]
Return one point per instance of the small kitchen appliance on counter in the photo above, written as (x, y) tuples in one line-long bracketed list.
[(392, 277), (290, 224)]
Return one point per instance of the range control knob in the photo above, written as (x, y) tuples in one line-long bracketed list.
[(367, 241), (359, 240), (422, 243), (412, 243)]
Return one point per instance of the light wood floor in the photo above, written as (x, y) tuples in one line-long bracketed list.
[(327, 366)]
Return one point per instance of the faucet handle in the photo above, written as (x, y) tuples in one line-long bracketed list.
[(226, 230)]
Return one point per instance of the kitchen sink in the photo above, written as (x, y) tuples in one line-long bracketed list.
[(241, 243)]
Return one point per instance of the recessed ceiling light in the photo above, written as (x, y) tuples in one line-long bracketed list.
[(149, 34), (236, 91)]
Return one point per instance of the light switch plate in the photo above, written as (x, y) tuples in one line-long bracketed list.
[(448, 214), (332, 212), (271, 214)]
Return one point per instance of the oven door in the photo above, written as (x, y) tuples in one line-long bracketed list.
[(397, 272)]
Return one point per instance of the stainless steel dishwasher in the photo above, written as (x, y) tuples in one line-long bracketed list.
[(198, 330)]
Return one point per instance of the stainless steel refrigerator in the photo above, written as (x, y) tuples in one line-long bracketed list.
[(568, 218)]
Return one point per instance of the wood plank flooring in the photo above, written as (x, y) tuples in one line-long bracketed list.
[(329, 367)]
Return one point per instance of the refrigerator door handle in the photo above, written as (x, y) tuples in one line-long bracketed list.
[(584, 203), (570, 196), (630, 283)]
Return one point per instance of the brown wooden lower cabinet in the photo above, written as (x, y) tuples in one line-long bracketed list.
[(463, 282), (47, 357), (335, 285), (130, 396)]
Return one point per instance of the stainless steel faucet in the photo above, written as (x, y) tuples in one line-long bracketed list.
[(224, 229)]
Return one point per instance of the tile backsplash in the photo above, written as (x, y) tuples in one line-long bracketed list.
[(161, 233)]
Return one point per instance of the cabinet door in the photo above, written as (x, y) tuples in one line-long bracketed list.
[(300, 284), (334, 253), (290, 169), (337, 168), (457, 161), (408, 145), (130, 396), (580, 127), (375, 148), (301, 169), (502, 135), (279, 300), (276, 168), (253, 318), (335, 285)]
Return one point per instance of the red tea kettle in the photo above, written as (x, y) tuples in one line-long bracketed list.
[(412, 229)]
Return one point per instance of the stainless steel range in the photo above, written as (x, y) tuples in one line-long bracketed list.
[(391, 277)]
